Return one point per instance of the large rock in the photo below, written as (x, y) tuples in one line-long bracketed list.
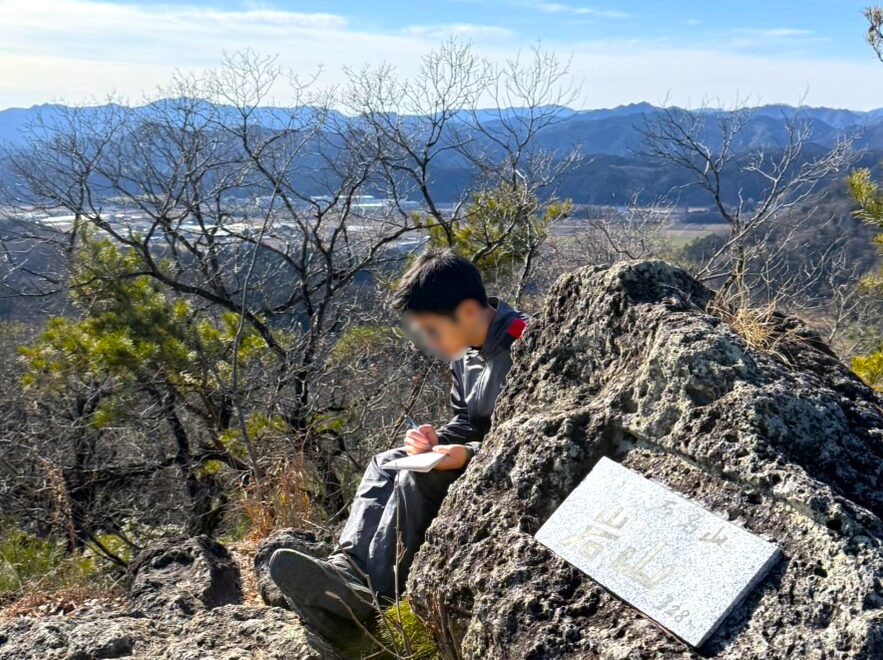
[(239, 632), (627, 362), (184, 603), (183, 577), (230, 632)]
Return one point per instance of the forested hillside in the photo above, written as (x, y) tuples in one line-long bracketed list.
[(610, 142)]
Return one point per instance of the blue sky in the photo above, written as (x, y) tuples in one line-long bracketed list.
[(627, 51)]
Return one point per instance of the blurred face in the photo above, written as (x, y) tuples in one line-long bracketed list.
[(446, 336)]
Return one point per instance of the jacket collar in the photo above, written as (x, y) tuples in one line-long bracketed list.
[(498, 336)]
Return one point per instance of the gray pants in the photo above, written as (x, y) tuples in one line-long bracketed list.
[(388, 501)]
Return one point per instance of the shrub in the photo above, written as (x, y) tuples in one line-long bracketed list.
[(35, 572), (870, 369), (23, 558)]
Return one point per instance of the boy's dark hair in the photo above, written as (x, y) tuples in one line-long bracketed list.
[(437, 282)]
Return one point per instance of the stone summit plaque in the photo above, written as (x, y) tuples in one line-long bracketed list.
[(676, 562)]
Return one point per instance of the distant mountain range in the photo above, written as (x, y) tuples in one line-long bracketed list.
[(610, 138)]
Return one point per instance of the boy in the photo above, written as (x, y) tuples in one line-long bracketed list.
[(444, 304)]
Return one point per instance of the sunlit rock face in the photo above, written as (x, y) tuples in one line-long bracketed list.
[(628, 362), (185, 603)]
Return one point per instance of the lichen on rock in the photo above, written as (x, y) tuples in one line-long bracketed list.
[(185, 603), (628, 362)]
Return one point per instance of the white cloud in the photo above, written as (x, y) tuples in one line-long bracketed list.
[(74, 49), (617, 72), (779, 39), (561, 8), (469, 30), (80, 49), (775, 33), (105, 31)]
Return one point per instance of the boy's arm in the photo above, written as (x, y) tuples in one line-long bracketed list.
[(459, 430)]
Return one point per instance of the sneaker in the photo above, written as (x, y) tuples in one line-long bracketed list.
[(344, 633), (340, 561), (320, 583)]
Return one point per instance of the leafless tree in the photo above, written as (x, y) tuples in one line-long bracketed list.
[(875, 29), (461, 113), (294, 221), (708, 144), (639, 231)]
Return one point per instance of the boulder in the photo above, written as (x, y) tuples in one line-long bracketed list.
[(235, 632), (184, 576), (629, 362), (184, 603), (88, 634), (229, 632)]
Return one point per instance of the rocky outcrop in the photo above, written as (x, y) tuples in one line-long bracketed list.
[(184, 604), (184, 577), (627, 362)]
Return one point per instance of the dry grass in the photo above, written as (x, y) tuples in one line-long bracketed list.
[(243, 554), (757, 326), (760, 326), (38, 600), (277, 502), (37, 576)]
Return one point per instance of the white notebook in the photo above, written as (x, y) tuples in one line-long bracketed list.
[(417, 463)]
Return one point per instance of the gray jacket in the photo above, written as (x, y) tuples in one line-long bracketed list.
[(478, 378)]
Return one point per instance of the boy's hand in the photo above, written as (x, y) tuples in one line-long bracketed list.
[(456, 457), (418, 441)]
